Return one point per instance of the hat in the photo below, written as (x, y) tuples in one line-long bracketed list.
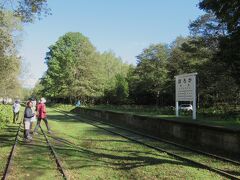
[(43, 100)]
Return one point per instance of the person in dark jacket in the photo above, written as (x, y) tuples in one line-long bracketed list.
[(28, 114)]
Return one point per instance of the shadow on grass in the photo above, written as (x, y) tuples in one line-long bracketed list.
[(89, 155), (79, 157), (7, 135), (120, 159)]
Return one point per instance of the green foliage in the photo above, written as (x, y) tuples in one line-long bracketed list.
[(37, 91), (9, 61), (13, 13), (71, 68), (227, 12), (77, 71), (26, 93), (6, 115), (26, 10), (148, 80), (119, 92), (110, 67), (222, 111)]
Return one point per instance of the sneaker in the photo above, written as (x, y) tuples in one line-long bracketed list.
[(49, 132)]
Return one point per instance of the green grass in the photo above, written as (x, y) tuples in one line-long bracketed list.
[(88, 152), (33, 161), (7, 136), (64, 107)]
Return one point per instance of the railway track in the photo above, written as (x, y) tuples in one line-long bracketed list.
[(10, 157), (12, 152), (58, 162), (102, 125)]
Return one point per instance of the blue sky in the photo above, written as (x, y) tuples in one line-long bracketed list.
[(124, 26)]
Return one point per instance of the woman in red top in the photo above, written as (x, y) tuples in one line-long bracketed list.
[(42, 115)]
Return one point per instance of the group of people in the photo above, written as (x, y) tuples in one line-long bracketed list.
[(33, 112)]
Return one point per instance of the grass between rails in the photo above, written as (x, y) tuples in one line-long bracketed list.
[(33, 160), (88, 152)]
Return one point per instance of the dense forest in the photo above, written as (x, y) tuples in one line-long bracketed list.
[(77, 71)]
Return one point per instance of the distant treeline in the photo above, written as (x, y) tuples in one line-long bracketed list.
[(77, 71)]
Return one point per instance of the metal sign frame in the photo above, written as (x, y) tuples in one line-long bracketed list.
[(185, 85)]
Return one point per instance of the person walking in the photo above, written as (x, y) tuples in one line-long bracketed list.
[(42, 115), (28, 114), (16, 109), (34, 109)]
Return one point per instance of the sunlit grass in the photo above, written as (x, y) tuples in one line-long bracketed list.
[(88, 152)]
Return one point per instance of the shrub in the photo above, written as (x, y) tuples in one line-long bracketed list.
[(6, 115)]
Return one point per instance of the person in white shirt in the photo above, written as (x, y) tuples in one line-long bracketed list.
[(16, 109), (33, 119)]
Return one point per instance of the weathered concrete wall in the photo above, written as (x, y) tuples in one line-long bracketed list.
[(208, 137)]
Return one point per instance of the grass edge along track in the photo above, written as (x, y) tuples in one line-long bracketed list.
[(204, 166), (10, 157), (58, 162)]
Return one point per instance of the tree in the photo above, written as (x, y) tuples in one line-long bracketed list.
[(13, 13), (150, 75), (9, 61), (227, 12), (26, 10), (119, 93), (110, 67), (72, 68)]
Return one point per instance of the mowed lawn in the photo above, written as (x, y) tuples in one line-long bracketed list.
[(88, 152)]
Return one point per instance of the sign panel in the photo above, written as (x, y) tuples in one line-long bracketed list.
[(186, 91), (185, 87)]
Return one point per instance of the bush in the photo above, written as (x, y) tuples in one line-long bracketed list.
[(6, 115), (223, 112)]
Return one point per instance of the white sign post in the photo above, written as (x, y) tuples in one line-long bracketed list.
[(186, 91)]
